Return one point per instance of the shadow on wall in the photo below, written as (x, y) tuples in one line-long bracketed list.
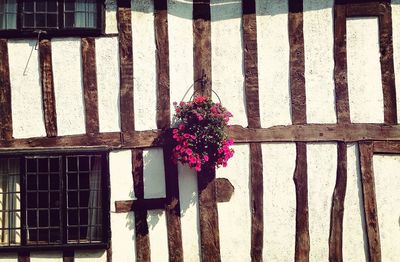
[(153, 163)]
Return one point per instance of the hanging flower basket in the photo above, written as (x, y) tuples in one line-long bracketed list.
[(199, 137)]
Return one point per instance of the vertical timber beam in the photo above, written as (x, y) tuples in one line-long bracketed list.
[(340, 58), (68, 255), (88, 45), (299, 116), (24, 256), (141, 227), (208, 212), (387, 64), (253, 116), (6, 129), (173, 211), (124, 18), (337, 210), (369, 199)]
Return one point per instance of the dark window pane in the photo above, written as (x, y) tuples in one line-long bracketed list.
[(72, 217), (52, 6), (28, 6), (72, 199), (32, 219), (73, 233), (83, 163), (55, 199), (44, 235), (69, 20), (32, 200), (31, 182), (43, 218), (83, 198), (72, 181), (40, 6), (43, 182), (69, 5), (28, 20), (52, 20), (55, 235), (72, 164), (54, 218), (40, 22), (43, 199), (54, 181), (84, 180), (54, 163), (30, 163), (43, 162)]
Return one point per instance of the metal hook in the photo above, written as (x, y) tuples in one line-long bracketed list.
[(39, 32)]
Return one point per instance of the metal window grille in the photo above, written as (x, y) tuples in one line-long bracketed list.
[(40, 14), (8, 14), (54, 200)]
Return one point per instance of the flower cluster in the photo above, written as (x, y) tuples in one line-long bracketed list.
[(199, 135)]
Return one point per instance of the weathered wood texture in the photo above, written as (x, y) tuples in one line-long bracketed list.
[(208, 216), (46, 75), (387, 65), (125, 66), (202, 46), (124, 206), (141, 227), (249, 25), (24, 256), (88, 46), (68, 255), (6, 129), (302, 246), (387, 147), (256, 201), (336, 227), (223, 190), (162, 63), (296, 62), (369, 200), (340, 69)]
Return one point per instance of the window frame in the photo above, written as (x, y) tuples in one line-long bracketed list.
[(21, 32), (64, 245)]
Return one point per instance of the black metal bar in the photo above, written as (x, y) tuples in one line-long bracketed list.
[(64, 200), (23, 201)]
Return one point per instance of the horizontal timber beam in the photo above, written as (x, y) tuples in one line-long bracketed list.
[(151, 138)]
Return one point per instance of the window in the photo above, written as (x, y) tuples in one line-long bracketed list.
[(54, 200), (51, 16)]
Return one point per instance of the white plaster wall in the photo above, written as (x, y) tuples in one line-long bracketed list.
[(227, 57), (188, 196), (364, 71), (26, 94), (387, 185), (273, 62), (46, 256), (319, 63), (354, 237), (9, 258), (279, 160), (90, 256), (144, 64), (121, 181), (122, 224), (321, 168), (111, 17), (396, 49), (157, 223), (235, 216), (107, 66), (123, 236), (68, 87), (153, 173), (180, 30)]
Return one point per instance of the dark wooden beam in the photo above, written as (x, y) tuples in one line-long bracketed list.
[(139, 204), (141, 227), (125, 66), (223, 190), (391, 147), (369, 200), (340, 69), (88, 46), (6, 128), (68, 255), (337, 210), (302, 244), (202, 46), (296, 62), (24, 256)]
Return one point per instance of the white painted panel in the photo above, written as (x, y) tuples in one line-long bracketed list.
[(121, 180), (188, 196), (364, 70), (9, 258), (111, 17), (387, 185), (354, 237), (153, 173), (68, 89), (107, 66), (180, 30), (235, 216), (319, 63), (158, 235), (321, 168), (279, 161), (26, 92), (90, 256), (396, 49), (227, 57), (273, 62), (46, 256), (123, 236), (144, 64)]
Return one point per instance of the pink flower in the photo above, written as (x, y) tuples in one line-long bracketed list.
[(197, 168), (174, 131), (181, 127), (186, 135), (189, 151), (174, 103), (177, 147), (199, 99), (182, 103), (205, 158)]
